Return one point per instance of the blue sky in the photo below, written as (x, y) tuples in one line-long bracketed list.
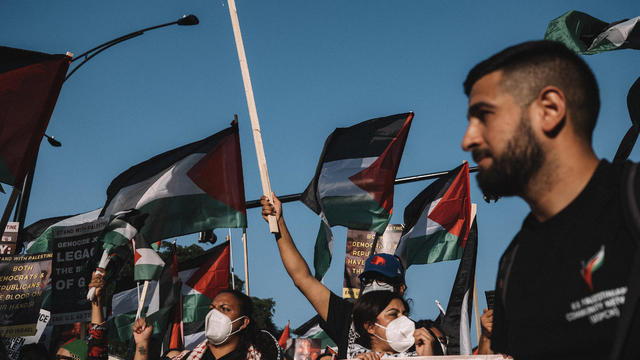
[(315, 66)]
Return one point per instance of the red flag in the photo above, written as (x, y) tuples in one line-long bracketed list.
[(29, 86), (282, 342)]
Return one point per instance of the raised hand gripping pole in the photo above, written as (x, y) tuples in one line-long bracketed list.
[(104, 261), (253, 113)]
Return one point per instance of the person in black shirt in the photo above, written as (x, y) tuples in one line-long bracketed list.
[(562, 281)]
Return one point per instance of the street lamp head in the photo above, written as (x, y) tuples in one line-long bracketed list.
[(188, 20), (52, 141)]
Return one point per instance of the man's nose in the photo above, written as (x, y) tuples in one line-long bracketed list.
[(471, 137)]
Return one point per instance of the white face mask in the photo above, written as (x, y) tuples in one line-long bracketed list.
[(217, 327), (399, 333), (376, 286)]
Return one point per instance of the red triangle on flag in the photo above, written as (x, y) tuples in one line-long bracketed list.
[(219, 172), (212, 276), (453, 211), (378, 178)]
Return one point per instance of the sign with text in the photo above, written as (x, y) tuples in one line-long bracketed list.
[(9, 238), (23, 280), (72, 247), (359, 244)]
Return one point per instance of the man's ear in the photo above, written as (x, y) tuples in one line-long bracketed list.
[(245, 323), (551, 110)]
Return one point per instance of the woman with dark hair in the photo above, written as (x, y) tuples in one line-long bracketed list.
[(229, 330), (380, 320)]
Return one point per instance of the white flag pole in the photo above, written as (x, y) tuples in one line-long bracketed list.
[(246, 262), (142, 298), (253, 113)]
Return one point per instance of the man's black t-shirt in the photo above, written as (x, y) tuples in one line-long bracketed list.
[(562, 283), (338, 323)]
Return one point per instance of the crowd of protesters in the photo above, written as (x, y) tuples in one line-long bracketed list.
[(532, 110)]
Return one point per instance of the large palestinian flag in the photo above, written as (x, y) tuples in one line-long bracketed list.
[(353, 184), (587, 35), (29, 86), (437, 220), (193, 188)]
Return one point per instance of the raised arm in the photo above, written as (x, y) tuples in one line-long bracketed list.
[(317, 294)]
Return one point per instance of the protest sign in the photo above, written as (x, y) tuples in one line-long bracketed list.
[(9, 238), (359, 244), (14, 345), (73, 246), (23, 279)]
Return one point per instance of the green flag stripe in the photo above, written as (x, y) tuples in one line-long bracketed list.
[(195, 307), (188, 214), (362, 213), (146, 271), (439, 246)]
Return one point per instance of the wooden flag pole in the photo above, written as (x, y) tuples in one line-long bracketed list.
[(246, 261), (233, 273), (253, 113), (142, 298)]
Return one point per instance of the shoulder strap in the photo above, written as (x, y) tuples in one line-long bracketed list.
[(630, 199), (622, 343)]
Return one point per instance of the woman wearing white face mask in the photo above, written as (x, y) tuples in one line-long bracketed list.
[(380, 319), (230, 333)]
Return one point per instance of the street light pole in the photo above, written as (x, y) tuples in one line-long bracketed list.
[(23, 201)]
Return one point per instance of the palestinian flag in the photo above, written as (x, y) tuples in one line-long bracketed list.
[(147, 264), (29, 86), (587, 35), (353, 184), (162, 295), (457, 320), (122, 227), (38, 237), (437, 220), (193, 188), (203, 278)]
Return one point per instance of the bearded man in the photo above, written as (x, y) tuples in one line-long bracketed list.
[(562, 281)]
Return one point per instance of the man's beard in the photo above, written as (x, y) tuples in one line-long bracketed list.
[(511, 172)]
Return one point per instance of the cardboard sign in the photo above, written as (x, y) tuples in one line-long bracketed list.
[(359, 244), (23, 280)]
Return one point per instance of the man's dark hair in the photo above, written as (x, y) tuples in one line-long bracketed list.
[(532, 65)]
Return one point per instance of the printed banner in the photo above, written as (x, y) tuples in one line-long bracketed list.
[(72, 247), (304, 349), (359, 243), (23, 280), (9, 238)]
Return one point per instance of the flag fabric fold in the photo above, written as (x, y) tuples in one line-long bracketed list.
[(196, 187), (38, 237), (30, 83), (282, 342), (203, 278), (147, 264), (457, 320), (588, 35), (353, 183), (437, 221)]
